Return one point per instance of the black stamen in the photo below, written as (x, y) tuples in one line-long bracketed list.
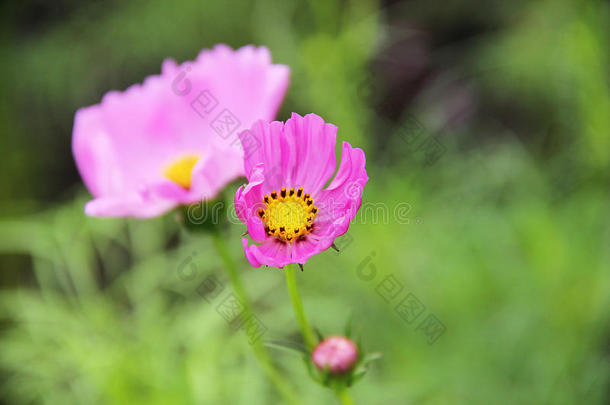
[(266, 198), (309, 202), (300, 191), (291, 192), (282, 229), (274, 195), (314, 210), (283, 192), (261, 212)]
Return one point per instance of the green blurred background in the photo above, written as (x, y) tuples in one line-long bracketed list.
[(487, 122)]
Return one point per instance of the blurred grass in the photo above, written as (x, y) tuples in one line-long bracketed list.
[(506, 243)]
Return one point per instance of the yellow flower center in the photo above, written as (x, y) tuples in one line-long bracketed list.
[(288, 215), (179, 171)]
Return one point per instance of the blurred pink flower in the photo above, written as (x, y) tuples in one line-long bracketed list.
[(173, 139), (338, 353), (285, 204)]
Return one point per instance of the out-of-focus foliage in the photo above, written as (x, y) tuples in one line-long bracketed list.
[(504, 238)]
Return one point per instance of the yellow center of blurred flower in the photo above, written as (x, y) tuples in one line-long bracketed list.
[(288, 215), (179, 171)]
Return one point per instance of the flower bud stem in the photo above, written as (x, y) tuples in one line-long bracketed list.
[(344, 397), (306, 331)]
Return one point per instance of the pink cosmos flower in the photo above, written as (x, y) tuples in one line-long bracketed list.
[(285, 204), (338, 353), (173, 139)]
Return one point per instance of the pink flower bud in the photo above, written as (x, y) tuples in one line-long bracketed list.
[(337, 352)]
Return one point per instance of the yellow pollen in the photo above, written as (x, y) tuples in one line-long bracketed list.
[(288, 214), (179, 171)]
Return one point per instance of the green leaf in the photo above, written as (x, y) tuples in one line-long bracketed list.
[(291, 347), (348, 327), (371, 357)]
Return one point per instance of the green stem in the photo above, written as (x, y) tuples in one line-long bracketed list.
[(306, 331), (297, 304), (344, 397), (261, 353)]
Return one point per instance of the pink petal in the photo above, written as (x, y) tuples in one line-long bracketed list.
[(147, 202), (249, 198), (300, 153), (122, 145), (312, 155), (256, 229), (340, 201), (126, 206), (267, 150), (303, 250), (272, 253), (249, 256), (212, 173)]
